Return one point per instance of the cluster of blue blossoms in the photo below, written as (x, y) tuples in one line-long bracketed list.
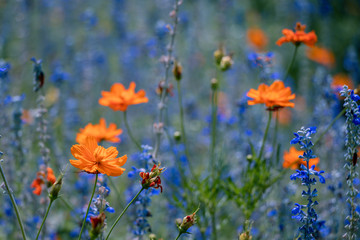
[(311, 226)]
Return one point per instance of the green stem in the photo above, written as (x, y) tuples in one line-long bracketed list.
[(87, 211), (213, 130), (275, 132), (292, 62), (178, 236), (265, 135), (330, 125), (117, 220), (46, 214), (130, 133), (213, 224), (13, 202)]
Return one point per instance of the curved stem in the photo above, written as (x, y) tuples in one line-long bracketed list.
[(292, 62), (46, 214), (178, 236), (130, 133), (265, 135), (330, 125), (13, 202), (87, 211), (117, 220)]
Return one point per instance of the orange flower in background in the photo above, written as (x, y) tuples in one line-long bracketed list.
[(39, 181), (119, 98), (298, 37), (257, 38), (274, 96), (99, 132), (94, 159), (322, 56), (292, 160), (341, 79)]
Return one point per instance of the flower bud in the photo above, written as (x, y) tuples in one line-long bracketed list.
[(177, 136), (97, 224), (187, 222), (245, 236), (56, 187), (152, 178), (214, 84), (177, 71), (152, 237), (226, 63), (218, 55)]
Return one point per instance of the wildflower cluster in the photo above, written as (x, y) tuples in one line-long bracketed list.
[(310, 227)]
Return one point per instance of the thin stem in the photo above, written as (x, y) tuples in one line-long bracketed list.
[(130, 133), (265, 135), (213, 130), (178, 236), (292, 62), (87, 211), (66, 203), (213, 224), (13, 202), (276, 131), (46, 214), (170, 48), (330, 125), (117, 220)]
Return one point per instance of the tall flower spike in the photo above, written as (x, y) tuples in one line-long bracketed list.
[(298, 37), (100, 132), (94, 159), (274, 96), (119, 98), (311, 226), (351, 143)]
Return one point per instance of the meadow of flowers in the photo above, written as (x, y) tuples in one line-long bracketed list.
[(179, 119)]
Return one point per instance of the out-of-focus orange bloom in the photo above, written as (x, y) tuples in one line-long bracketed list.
[(119, 98), (292, 160), (99, 132), (26, 117), (274, 96), (94, 159), (40, 179), (257, 38), (298, 37), (284, 116), (339, 80), (321, 55)]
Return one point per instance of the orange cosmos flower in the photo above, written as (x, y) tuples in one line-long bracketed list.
[(94, 159), (41, 176), (292, 160), (274, 96), (257, 38), (298, 37), (321, 55), (119, 98), (99, 132)]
